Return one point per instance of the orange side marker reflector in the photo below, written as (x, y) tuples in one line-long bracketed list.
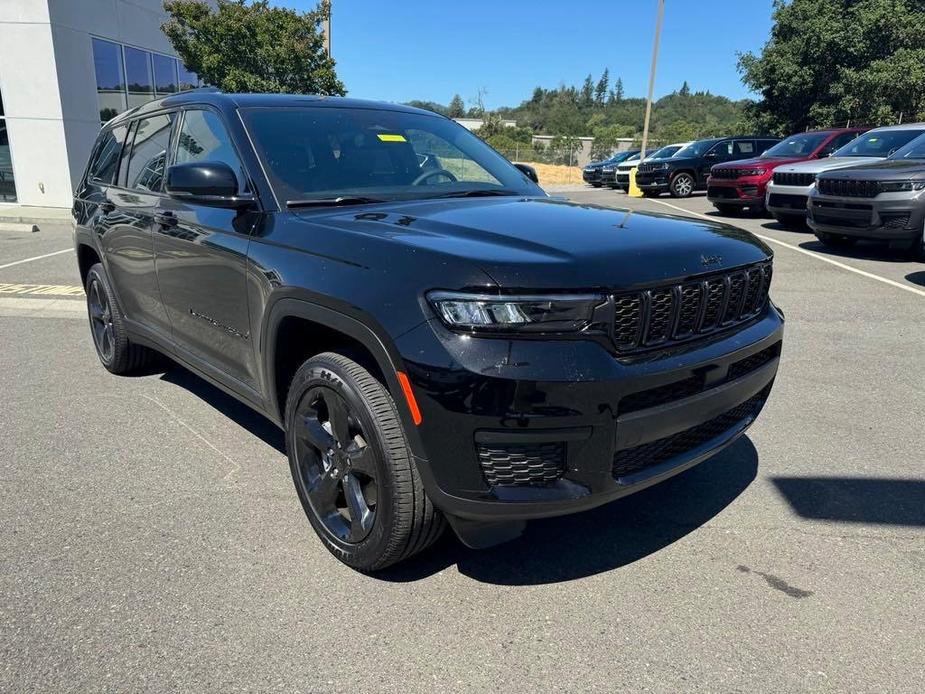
[(409, 397)]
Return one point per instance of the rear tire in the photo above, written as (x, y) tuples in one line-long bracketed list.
[(835, 240), (107, 327), (682, 185), (352, 467)]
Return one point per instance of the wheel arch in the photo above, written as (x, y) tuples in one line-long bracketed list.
[(87, 257), (315, 328)]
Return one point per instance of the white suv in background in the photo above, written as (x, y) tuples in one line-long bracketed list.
[(788, 191)]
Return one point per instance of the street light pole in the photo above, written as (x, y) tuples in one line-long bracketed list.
[(327, 31), (658, 34)]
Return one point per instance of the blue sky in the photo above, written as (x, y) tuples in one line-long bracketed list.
[(430, 49)]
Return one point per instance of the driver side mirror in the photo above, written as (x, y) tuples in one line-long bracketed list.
[(529, 172), (206, 183)]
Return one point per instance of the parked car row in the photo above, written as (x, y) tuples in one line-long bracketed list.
[(845, 183)]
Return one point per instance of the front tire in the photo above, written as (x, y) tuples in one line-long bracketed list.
[(352, 467), (107, 327), (682, 186)]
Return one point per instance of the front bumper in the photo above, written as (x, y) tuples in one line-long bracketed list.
[(618, 426), (740, 193), (888, 217), (787, 200), (653, 181), (591, 177)]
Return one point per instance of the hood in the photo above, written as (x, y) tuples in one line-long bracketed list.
[(815, 166), (543, 243), (888, 169)]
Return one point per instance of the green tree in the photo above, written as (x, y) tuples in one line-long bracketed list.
[(600, 91), (831, 61), (685, 89), (457, 107), (241, 47), (618, 90), (587, 93)]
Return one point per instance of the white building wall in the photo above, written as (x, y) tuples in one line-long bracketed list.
[(48, 84)]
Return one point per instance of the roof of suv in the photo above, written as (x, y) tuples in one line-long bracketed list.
[(209, 95)]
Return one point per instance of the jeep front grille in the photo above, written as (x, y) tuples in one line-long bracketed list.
[(848, 187), (784, 178), (662, 316), (725, 173)]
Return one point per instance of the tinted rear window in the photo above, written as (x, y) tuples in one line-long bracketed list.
[(105, 161)]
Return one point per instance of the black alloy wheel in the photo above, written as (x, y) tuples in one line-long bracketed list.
[(337, 467)]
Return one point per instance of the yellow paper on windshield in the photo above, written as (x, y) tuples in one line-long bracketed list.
[(391, 137)]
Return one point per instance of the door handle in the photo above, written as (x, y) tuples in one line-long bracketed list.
[(107, 207), (165, 219)]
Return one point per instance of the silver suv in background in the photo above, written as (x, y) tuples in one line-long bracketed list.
[(884, 201), (789, 189)]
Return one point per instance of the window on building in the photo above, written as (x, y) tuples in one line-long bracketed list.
[(110, 78), (188, 78), (149, 153), (138, 76), (7, 184), (165, 74), (203, 138)]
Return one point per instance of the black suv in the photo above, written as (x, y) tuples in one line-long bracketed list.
[(689, 169), (591, 173), (439, 339)]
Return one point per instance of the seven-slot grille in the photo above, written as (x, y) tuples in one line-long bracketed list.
[(848, 187), (784, 178), (725, 173), (648, 168), (664, 315)]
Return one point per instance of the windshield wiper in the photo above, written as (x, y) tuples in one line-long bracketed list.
[(333, 202), (479, 193)]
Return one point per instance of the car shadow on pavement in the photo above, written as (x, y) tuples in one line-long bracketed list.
[(603, 539), (863, 250), (793, 229), (917, 277), (872, 500), (239, 413)]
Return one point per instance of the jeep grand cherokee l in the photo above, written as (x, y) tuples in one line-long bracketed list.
[(884, 201), (741, 184), (689, 169), (439, 340), (621, 178), (788, 190)]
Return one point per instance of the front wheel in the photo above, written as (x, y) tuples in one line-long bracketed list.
[(835, 240), (682, 185), (352, 467)]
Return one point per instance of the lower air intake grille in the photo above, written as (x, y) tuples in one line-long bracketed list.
[(631, 460), (519, 465)]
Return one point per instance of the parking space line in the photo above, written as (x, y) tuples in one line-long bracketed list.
[(812, 254), (38, 257)]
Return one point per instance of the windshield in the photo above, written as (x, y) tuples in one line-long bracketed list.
[(914, 150), (664, 152), (622, 156), (878, 144), (325, 153), (801, 145), (695, 149)]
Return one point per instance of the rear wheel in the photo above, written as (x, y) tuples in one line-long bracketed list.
[(682, 185), (107, 326), (835, 240), (352, 467)]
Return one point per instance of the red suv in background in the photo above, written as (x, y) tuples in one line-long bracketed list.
[(739, 184)]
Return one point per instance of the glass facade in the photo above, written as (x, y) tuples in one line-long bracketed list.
[(127, 77), (7, 185)]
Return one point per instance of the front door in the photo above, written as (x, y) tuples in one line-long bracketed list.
[(201, 261)]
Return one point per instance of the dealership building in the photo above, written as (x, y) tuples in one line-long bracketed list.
[(66, 66)]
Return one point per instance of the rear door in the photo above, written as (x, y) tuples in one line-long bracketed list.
[(125, 230), (743, 149), (202, 258)]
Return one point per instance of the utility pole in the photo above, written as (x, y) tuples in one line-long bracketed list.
[(327, 30), (658, 34)]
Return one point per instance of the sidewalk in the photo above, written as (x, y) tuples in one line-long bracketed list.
[(24, 214)]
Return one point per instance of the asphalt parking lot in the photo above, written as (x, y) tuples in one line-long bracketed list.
[(151, 539)]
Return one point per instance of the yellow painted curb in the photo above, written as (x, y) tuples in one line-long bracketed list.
[(634, 191)]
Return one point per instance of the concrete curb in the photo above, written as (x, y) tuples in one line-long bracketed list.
[(18, 226)]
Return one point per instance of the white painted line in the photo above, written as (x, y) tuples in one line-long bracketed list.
[(38, 257), (811, 254), (42, 308)]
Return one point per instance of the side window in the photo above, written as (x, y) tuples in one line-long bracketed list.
[(765, 145), (149, 153), (203, 137), (744, 148), (105, 161), (722, 150)]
